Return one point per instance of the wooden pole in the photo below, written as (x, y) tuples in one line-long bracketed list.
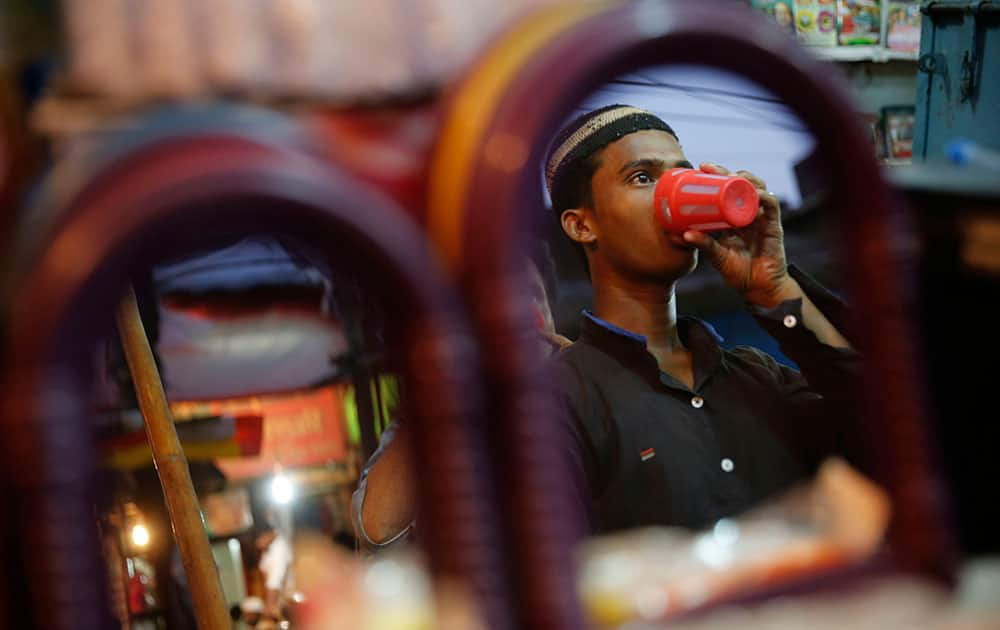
[(171, 466)]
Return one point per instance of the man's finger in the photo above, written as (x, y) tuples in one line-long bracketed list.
[(718, 255), (769, 204), (729, 238), (703, 242), (715, 169), (757, 182)]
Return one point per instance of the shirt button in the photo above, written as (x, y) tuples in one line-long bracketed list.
[(727, 464), (697, 402), (790, 321)]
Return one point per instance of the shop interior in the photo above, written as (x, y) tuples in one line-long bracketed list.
[(288, 296)]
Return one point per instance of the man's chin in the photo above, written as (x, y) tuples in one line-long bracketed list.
[(681, 263), (687, 261)]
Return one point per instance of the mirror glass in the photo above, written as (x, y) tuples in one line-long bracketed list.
[(709, 386)]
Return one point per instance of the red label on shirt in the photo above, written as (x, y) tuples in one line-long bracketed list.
[(647, 454)]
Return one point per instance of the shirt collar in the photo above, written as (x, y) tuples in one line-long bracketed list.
[(698, 336), (628, 334)]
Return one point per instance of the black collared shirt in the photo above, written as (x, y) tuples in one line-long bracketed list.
[(651, 451)]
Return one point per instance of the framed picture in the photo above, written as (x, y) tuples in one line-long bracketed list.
[(897, 121), (903, 30), (860, 22), (780, 11), (816, 22), (227, 513)]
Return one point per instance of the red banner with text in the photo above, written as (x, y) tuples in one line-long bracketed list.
[(300, 429)]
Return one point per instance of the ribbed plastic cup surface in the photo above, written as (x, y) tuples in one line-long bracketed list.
[(689, 199)]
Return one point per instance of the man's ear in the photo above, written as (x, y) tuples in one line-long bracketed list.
[(579, 225)]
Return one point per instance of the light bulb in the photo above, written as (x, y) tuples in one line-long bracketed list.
[(140, 535), (281, 489)]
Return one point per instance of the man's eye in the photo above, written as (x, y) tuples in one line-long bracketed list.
[(641, 178)]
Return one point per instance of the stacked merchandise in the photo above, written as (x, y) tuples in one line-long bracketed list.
[(894, 24), (903, 30), (816, 22), (860, 22), (781, 11)]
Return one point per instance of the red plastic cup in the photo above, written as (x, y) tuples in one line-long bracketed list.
[(689, 199)]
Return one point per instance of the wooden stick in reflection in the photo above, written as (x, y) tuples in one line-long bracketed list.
[(172, 468)]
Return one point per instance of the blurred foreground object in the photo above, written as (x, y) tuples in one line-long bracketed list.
[(966, 152), (171, 189), (656, 578), (875, 603), (136, 51), (394, 592), (646, 575), (954, 244), (657, 573)]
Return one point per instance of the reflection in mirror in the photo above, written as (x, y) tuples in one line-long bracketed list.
[(709, 385), (281, 378)]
